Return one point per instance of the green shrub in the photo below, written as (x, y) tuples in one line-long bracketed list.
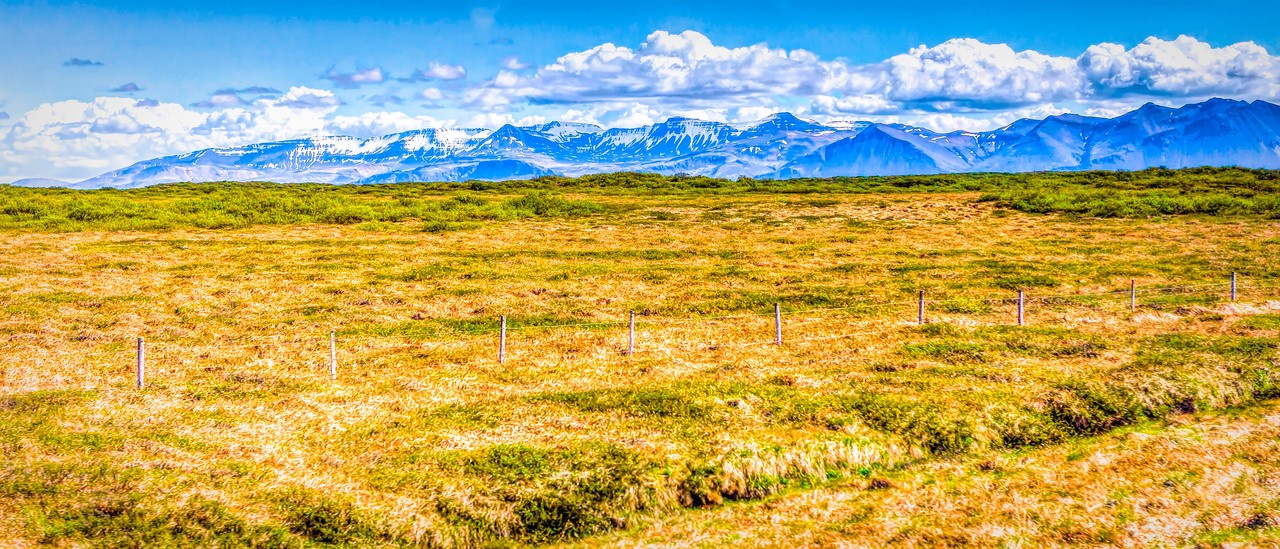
[(946, 350), (328, 519), (643, 402)]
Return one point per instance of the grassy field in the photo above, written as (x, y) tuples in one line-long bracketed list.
[(864, 427)]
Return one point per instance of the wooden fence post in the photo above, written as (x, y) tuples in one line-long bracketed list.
[(631, 335), (1233, 285), (920, 312), (142, 363), (333, 354), (1021, 307), (502, 341), (1133, 295), (777, 323)]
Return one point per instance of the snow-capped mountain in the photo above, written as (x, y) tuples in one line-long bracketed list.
[(1218, 132)]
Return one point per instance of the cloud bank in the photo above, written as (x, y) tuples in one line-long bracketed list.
[(83, 137), (687, 71)]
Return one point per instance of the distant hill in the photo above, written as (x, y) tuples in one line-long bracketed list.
[(39, 182), (1217, 132)]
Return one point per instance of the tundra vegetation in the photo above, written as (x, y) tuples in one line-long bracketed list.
[(1093, 423)]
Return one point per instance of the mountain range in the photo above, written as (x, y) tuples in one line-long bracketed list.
[(1217, 132)]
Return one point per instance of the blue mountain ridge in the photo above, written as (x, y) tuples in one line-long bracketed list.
[(1217, 132)]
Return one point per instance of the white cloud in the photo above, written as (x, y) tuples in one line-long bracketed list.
[(637, 114), (305, 98), (949, 122), (221, 101), (687, 71), (681, 68), (431, 94), (751, 114), (374, 124), (628, 114), (965, 74), (438, 71), (859, 104), (78, 139), (1183, 67), (355, 79), (514, 64), (495, 120)]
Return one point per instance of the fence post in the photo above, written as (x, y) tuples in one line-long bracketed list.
[(1233, 285), (1021, 307), (920, 313), (333, 354), (1133, 294), (631, 335), (777, 323), (142, 363), (502, 341)]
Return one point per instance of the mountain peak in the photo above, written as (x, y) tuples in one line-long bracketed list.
[(783, 122), (679, 120), (1217, 132), (782, 117)]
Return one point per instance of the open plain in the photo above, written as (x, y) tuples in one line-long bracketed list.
[(1097, 421)]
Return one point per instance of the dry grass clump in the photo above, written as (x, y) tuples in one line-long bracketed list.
[(1207, 481), (241, 438)]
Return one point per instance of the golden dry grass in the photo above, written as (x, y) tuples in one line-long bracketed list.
[(1211, 481), (415, 439)]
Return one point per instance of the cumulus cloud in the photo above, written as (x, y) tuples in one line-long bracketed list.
[(437, 71), (513, 63), (78, 139), (126, 88), (860, 104), (964, 74), (431, 94), (496, 120), (687, 71), (678, 68), (749, 114), (376, 124), (78, 62), (1183, 67), (354, 79), (307, 98)]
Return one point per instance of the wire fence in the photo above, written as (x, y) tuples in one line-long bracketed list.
[(696, 333)]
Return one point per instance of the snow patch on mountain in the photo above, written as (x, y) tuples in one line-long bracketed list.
[(1217, 132)]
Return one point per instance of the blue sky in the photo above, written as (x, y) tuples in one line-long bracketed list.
[(91, 86)]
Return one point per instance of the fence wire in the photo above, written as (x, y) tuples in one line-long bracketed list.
[(436, 342)]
